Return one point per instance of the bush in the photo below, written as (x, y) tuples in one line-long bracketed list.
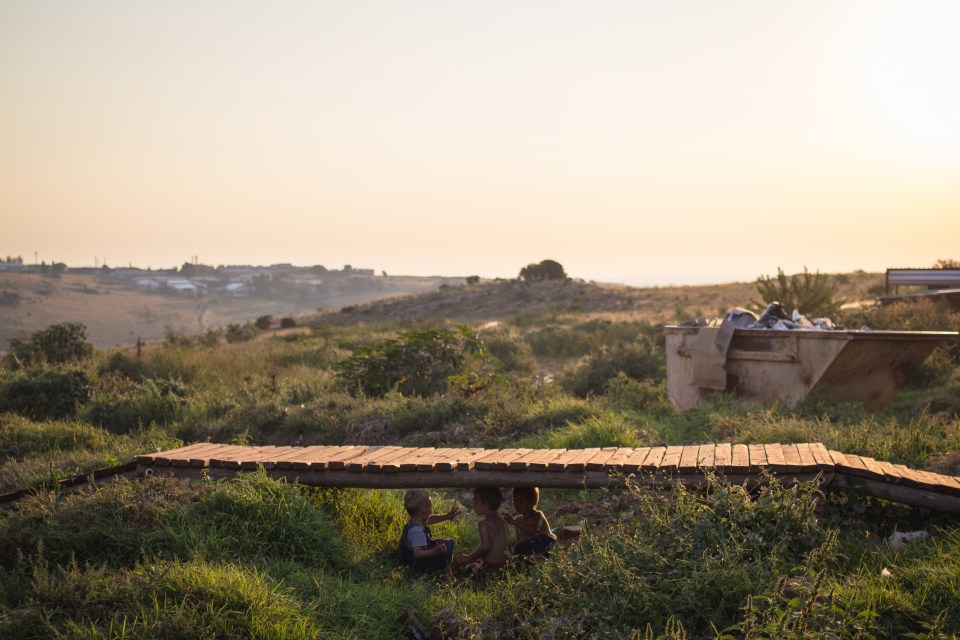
[(416, 363), (645, 396), (814, 295), (608, 430), (43, 393), (287, 323), (57, 344), (513, 353), (121, 406), (545, 270), (264, 322), (240, 332), (643, 359)]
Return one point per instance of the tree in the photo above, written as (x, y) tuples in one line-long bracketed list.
[(58, 343), (813, 294), (545, 270), (947, 263)]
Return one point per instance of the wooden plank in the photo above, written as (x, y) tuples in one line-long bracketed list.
[(740, 459), (545, 456), (635, 460), (468, 459), (706, 456), (320, 460), (302, 461), (670, 461), (688, 459), (838, 459), (873, 467), (163, 458), (442, 459), (200, 458), (579, 462), (521, 463), (560, 464), (616, 461), (411, 462), (258, 458), (503, 462), (723, 456), (775, 458), (338, 461), (821, 456), (758, 457), (890, 472), (791, 456), (856, 467), (486, 462), (269, 458), (807, 461), (450, 458), (227, 457), (599, 462), (370, 455), (377, 465), (183, 459)]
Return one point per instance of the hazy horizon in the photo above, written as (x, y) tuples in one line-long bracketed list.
[(677, 141)]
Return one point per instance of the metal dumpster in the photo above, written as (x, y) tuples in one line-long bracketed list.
[(785, 366)]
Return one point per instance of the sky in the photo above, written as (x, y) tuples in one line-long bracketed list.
[(647, 142)]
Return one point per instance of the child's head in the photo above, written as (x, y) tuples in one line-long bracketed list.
[(489, 497), (416, 502), (525, 498)]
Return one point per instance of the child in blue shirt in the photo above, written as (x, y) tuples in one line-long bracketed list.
[(417, 546)]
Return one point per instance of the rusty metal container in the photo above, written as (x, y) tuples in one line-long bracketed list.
[(773, 366)]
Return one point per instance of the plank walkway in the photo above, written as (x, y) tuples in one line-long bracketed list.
[(400, 467)]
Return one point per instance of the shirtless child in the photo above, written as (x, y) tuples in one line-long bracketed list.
[(493, 552), (534, 537)]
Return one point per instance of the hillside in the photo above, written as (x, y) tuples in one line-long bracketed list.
[(504, 299), (116, 312)]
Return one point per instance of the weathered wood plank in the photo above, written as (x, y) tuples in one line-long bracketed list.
[(688, 459), (560, 464), (467, 461), (706, 456), (579, 462), (370, 455), (521, 463), (164, 457), (638, 458), (670, 461), (740, 458), (791, 456), (775, 459), (377, 465), (723, 456), (821, 456), (615, 463), (540, 462), (757, 457), (807, 461), (599, 462), (838, 459)]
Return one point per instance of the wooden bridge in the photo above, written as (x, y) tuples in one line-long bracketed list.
[(693, 465)]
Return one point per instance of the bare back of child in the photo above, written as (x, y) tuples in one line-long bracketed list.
[(493, 552), (534, 537)]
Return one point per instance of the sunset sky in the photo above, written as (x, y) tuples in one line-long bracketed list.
[(643, 142)]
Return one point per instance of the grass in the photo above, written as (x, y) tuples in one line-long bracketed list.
[(255, 557)]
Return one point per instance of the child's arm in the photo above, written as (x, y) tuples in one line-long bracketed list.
[(523, 524), (486, 540), (422, 553), (440, 517)]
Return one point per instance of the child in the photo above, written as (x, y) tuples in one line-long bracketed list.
[(534, 537), (492, 554), (417, 546)]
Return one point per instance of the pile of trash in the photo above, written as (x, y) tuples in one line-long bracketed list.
[(774, 317)]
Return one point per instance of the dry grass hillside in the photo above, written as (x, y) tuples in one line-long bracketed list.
[(115, 312), (500, 300)]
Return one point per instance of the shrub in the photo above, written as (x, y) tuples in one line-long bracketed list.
[(513, 353), (43, 393), (415, 363), (545, 270), (57, 344), (121, 406), (626, 394), (607, 430), (643, 359), (287, 323), (21, 437), (264, 322), (814, 295), (240, 332)]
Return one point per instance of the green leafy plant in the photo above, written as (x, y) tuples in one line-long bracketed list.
[(813, 294), (57, 344), (416, 363)]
